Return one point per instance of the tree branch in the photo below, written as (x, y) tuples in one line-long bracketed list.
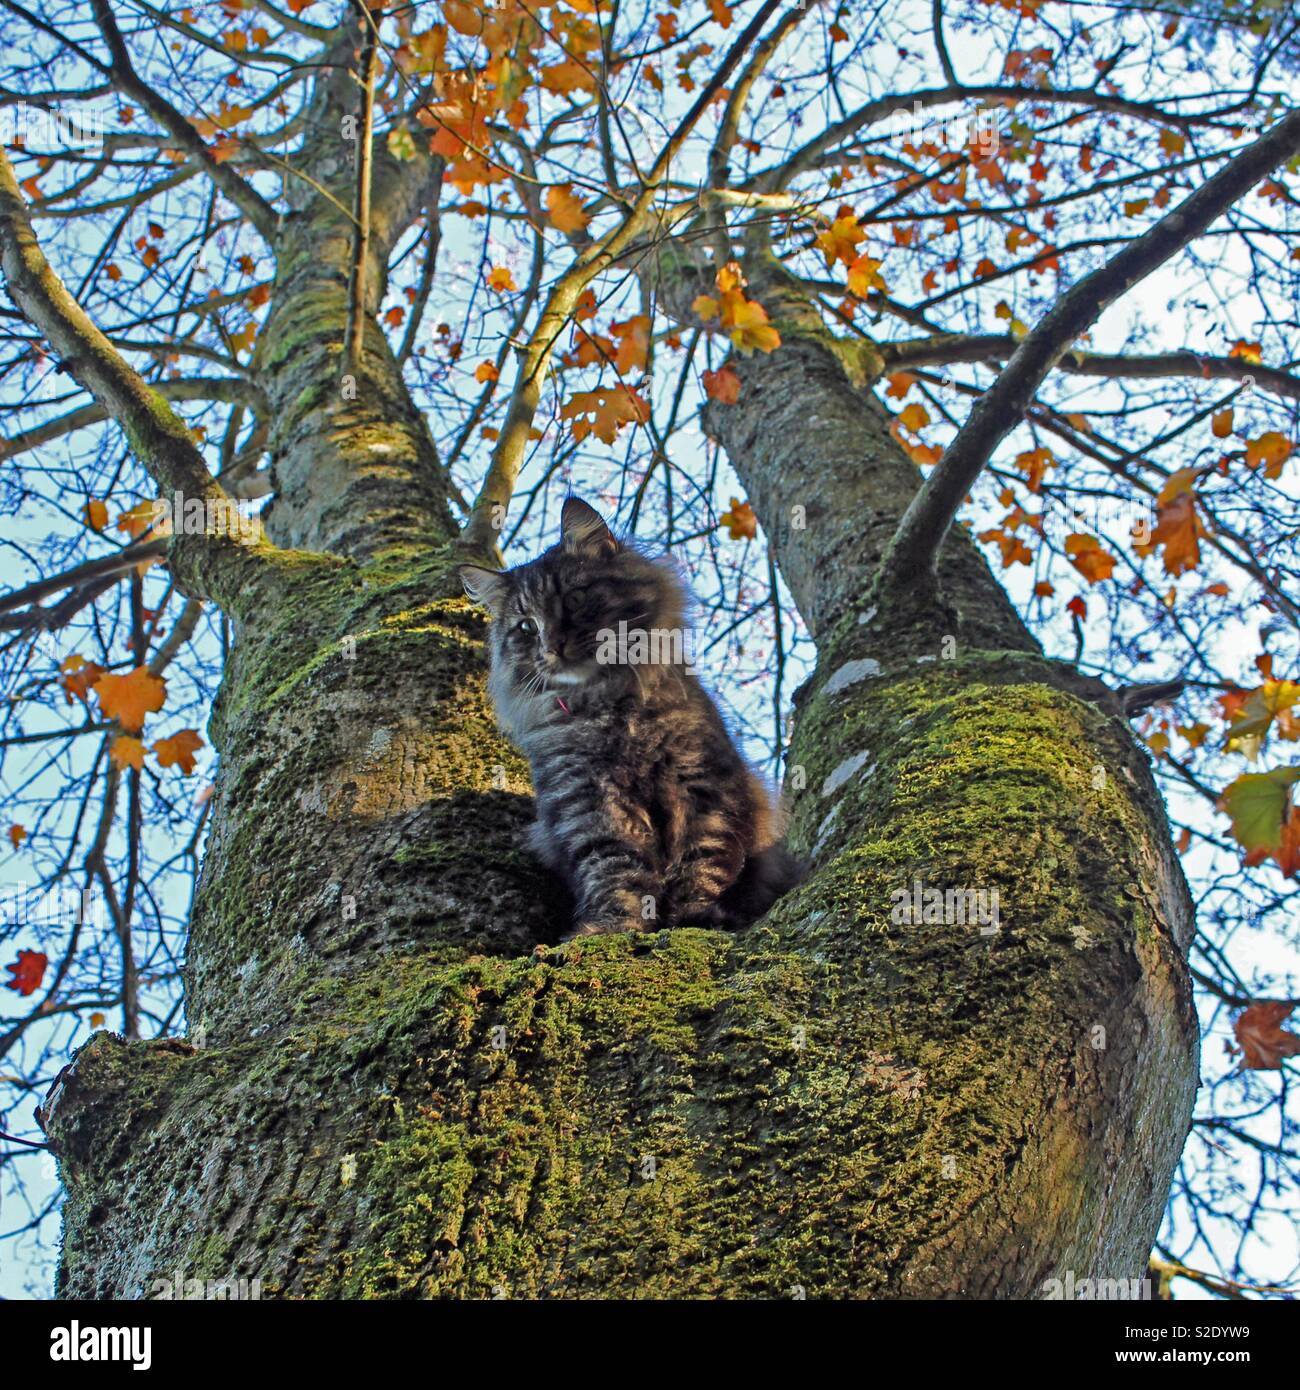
[(946, 349), (240, 192)]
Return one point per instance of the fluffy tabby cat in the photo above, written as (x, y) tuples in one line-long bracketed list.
[(644, 806)]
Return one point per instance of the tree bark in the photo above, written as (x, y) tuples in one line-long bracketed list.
[(395, 1086)]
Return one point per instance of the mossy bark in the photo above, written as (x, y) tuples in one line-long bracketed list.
[(396, 1086)]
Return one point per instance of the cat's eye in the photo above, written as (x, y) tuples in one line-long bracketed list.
[(526, 626)]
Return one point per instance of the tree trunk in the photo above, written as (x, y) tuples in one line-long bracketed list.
[(394, 1087)]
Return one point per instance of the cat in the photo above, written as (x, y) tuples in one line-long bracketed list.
[(645, 807)]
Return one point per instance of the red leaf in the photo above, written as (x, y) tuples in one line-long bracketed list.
[(28, 971)]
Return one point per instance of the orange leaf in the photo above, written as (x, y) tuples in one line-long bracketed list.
[(96, 514), (1087, 556), (1270, 449), (564, 209), (178, 750), (125, 752), (129, 698), (604, 412), (1221, 424), (1179, 529), (486, 371), (722, 385), (740, 521), (500, 278), (17, 834)]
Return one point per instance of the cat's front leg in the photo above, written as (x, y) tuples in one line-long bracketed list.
[(612, 868)]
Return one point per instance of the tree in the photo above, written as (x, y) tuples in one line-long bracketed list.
[(961, 1058)]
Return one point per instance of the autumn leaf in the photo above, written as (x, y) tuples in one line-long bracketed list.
[(486, 371), (178, 750), (722, 385), (1271, 450), (129, 698), (604, 412), (750, 330), (1034, 463), (1251, 719), (1260, 1035), (1087, 556), (28, 971), (740, 521), (78, 677), (839, 241), (126, 751), (900, 383), (864, 276), (633, 343), (721, 12), (500, 278), (1221, 423), (564, 210), (96, 513), (17, 834), (1178, 529)]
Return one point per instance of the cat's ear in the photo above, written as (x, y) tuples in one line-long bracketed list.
[(584, 531), (488, 587)]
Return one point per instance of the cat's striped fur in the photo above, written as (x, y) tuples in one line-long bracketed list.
[(644, 805)]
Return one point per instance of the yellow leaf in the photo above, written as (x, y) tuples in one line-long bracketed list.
[(500, 278)]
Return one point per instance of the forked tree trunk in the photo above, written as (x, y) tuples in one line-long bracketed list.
[(389, 1092)]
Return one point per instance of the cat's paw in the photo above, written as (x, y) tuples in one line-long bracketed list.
[(602, 926)]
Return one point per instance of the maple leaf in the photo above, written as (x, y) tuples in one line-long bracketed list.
[(1248, 352), (96, 513), (126, 751), (1259, 1033), (704, 306), (569, 76), (609, 409), (500, 278), (1179, 529), (79, 675), (721, 12), (913, 418), (17, 834), (178, 750), (1251, 718), (740, 521), (1033, 463), (633, 345), (1087, 556), (564, 209), (129, 698), (393, 317), (1271, 450), (486, 371), (750, 330), (864, 276), (839, 241), (900, 383), (722, 385), (28, 971)]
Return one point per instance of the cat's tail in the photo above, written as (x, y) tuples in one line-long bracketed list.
[(766, 876)]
